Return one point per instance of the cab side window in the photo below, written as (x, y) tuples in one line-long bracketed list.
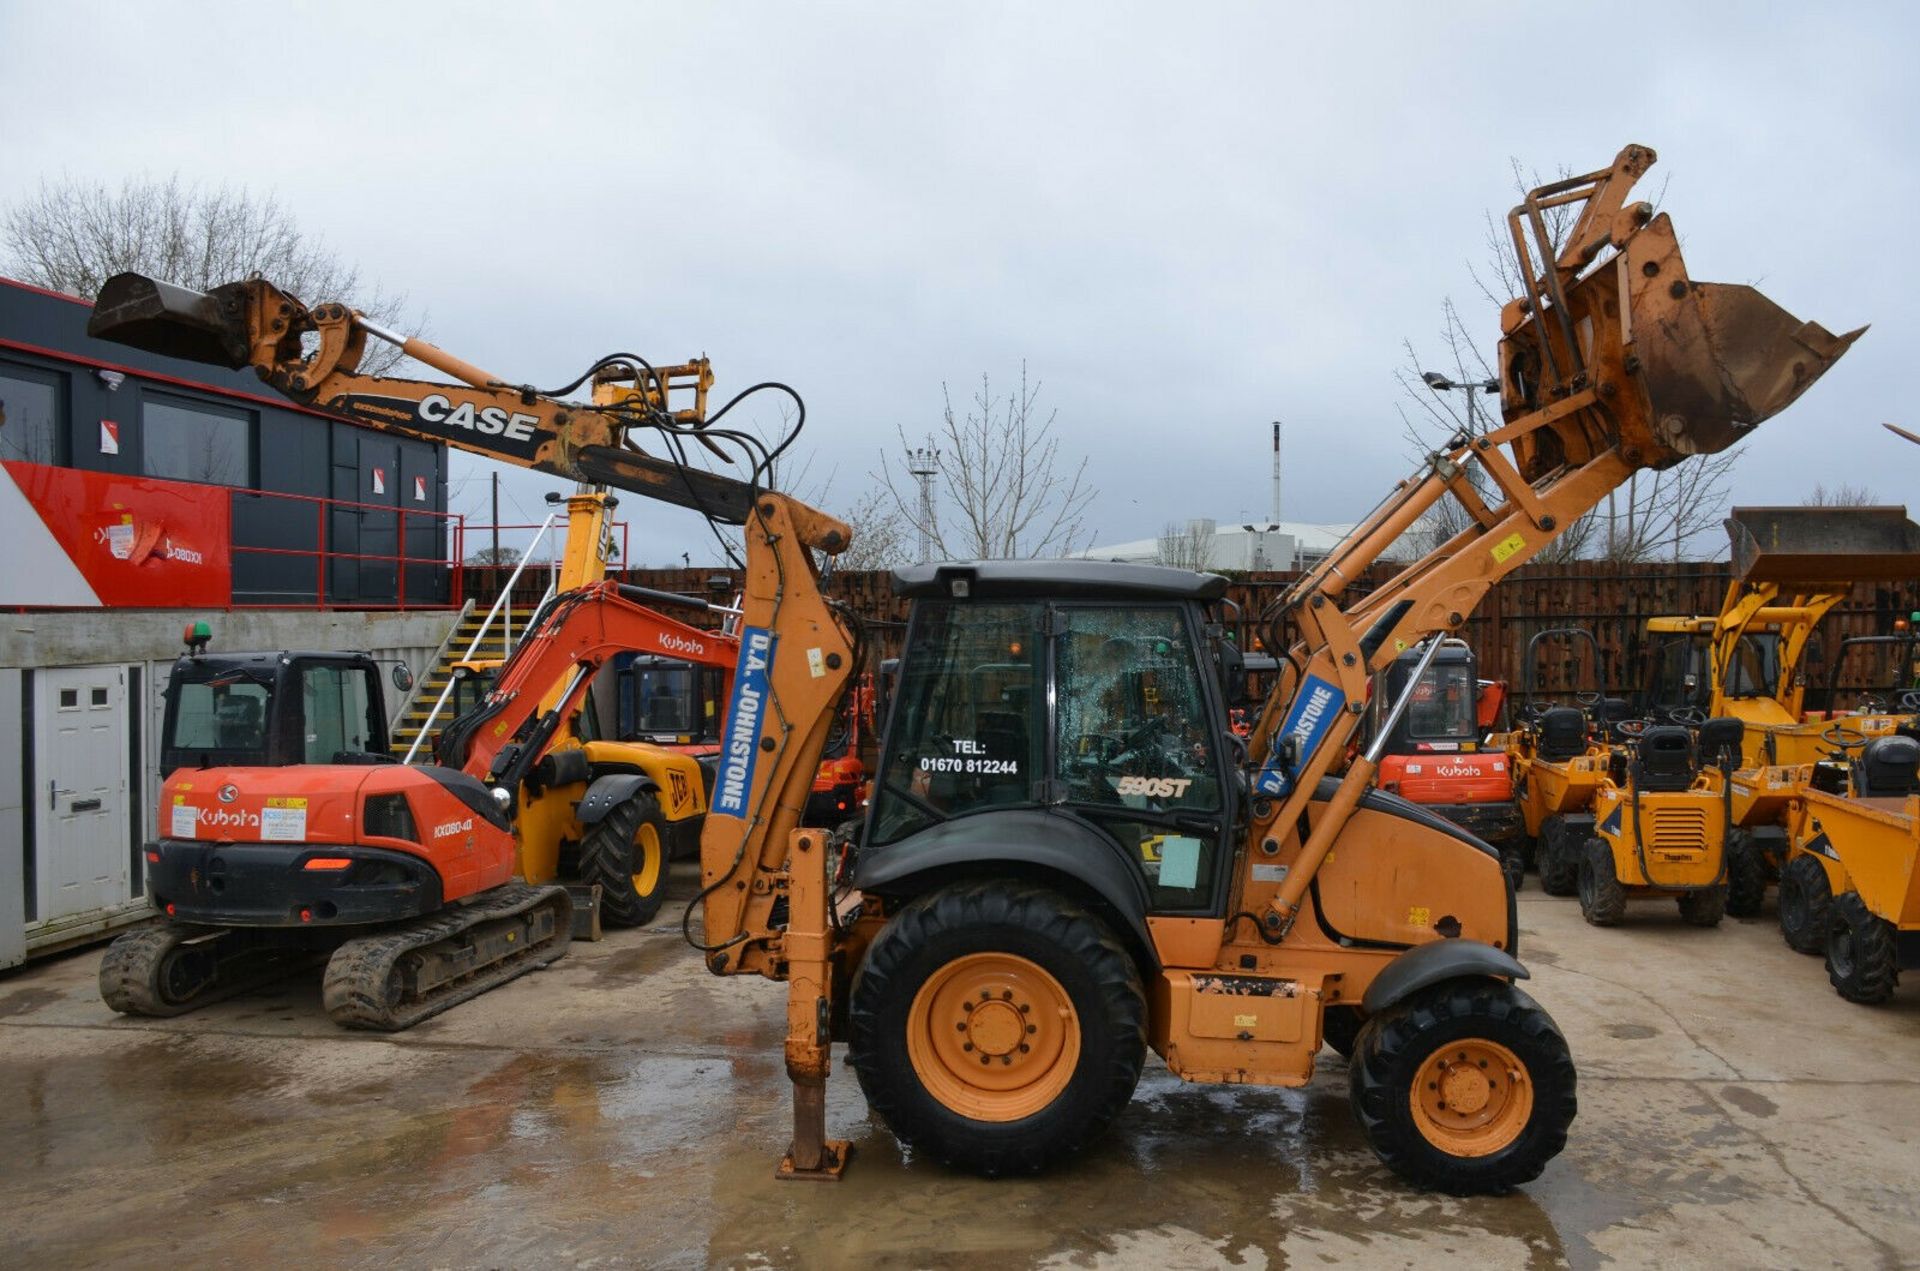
[(1132, 718)]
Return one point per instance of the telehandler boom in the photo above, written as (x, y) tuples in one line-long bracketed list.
[(1062, 866)]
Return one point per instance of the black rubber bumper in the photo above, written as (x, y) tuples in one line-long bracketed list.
[(1497, 823), (268, 884)]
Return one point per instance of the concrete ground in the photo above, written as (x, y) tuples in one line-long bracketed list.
[(626, 1108)]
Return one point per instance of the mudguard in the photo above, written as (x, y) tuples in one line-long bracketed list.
[(986, 842), (1431, 963), (608, 793)]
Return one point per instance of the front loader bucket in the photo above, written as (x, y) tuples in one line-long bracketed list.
[(1815, 547), (1722, 358), (145, 313)]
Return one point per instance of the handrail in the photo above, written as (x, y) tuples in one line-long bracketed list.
[(486, 624)]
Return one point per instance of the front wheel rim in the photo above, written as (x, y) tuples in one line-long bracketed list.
[(1472, 1098), (993, 1037), (647, 859)]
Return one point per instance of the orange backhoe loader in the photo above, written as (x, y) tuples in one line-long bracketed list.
[(997, 951)]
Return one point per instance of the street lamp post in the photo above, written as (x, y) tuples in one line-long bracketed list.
[(1441, 384)]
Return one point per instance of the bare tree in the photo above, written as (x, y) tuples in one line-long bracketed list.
[(501, 555), (1655, 515), (1003, 491), (1844, 495), (1188, 546), (880, 533), (72, 235)]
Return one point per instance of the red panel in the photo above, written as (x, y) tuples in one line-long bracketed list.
[(139, 542)]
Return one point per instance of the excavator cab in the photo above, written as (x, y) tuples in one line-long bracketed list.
[(272, 709)]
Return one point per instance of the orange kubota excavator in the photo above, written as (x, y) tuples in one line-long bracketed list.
[(1069, 858)]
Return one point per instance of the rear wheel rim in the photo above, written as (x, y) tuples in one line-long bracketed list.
[(1840, 952), (993, 1037), (648, 860), (1472, 1097)]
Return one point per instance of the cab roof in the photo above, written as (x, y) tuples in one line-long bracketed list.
[(265, 659), (1054, 579)]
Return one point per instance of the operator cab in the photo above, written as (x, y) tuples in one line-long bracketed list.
[(1086, 690), (1445, 711), (272, 709), (1682, 678), (668, 702)]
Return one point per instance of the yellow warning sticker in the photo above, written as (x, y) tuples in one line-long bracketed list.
[(1507, 547), (282, 802), (1419, 916), (1245, 1021)]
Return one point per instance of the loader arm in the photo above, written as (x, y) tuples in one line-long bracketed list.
[(1612, 361)]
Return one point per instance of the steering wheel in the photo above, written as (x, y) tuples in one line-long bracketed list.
[(1588, 699), (1687, 716), (1874, 704), (1909, 702), (1632, 729), (1843, 738)]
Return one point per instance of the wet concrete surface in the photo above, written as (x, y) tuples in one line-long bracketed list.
[(625, 1108)]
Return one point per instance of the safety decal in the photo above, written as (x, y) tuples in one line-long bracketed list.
[(1612, 824), (1312, 715), (744, 713), (283, 820), (1506, 547)]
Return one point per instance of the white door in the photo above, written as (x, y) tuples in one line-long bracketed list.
[(81, 849)]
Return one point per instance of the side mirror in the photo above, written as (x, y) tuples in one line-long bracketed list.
[(1233, 672), (402, 677)]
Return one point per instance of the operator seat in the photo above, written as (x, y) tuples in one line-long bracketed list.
[(1563, 734), (239, 721), (1720, 741), (1663, 759), (1888, 768)]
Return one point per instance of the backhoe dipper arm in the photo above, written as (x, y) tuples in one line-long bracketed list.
[(1610, 364), (254, 323)]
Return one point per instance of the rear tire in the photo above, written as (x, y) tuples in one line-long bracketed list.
[(1603, 901), (156, 973), (1703, 908), (1489, 1051), (1559, 862), (1862, 962), (626, 853), (1805, 898), (1024, 981), (1746, 875)]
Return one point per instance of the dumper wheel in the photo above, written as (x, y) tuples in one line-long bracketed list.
[(1805, 898), (1746, 875), (626, 854), (997, 1027), (1559, 858), (1862, 960), (1340, 1028), (1703, 908), (1466, 1087), (1603, 901), (1514, 866)]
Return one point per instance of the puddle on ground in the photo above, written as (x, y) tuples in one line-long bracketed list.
[(1632, 1032)]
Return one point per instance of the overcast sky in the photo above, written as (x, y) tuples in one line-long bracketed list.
[(1189, 220)]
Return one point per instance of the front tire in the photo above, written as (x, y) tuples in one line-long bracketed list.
[(1603, 901), (1559, 859), (1805, 898), (1466, 1087), (1746, 875), (1703, 908), (625, 852), (997, 1027), (1863, 964)]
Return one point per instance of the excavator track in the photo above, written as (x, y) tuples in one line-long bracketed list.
[(170, 970), (402, 975)]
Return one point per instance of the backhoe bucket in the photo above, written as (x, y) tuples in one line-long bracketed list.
[(1723, 358), (144, 313), (1813, 546)]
